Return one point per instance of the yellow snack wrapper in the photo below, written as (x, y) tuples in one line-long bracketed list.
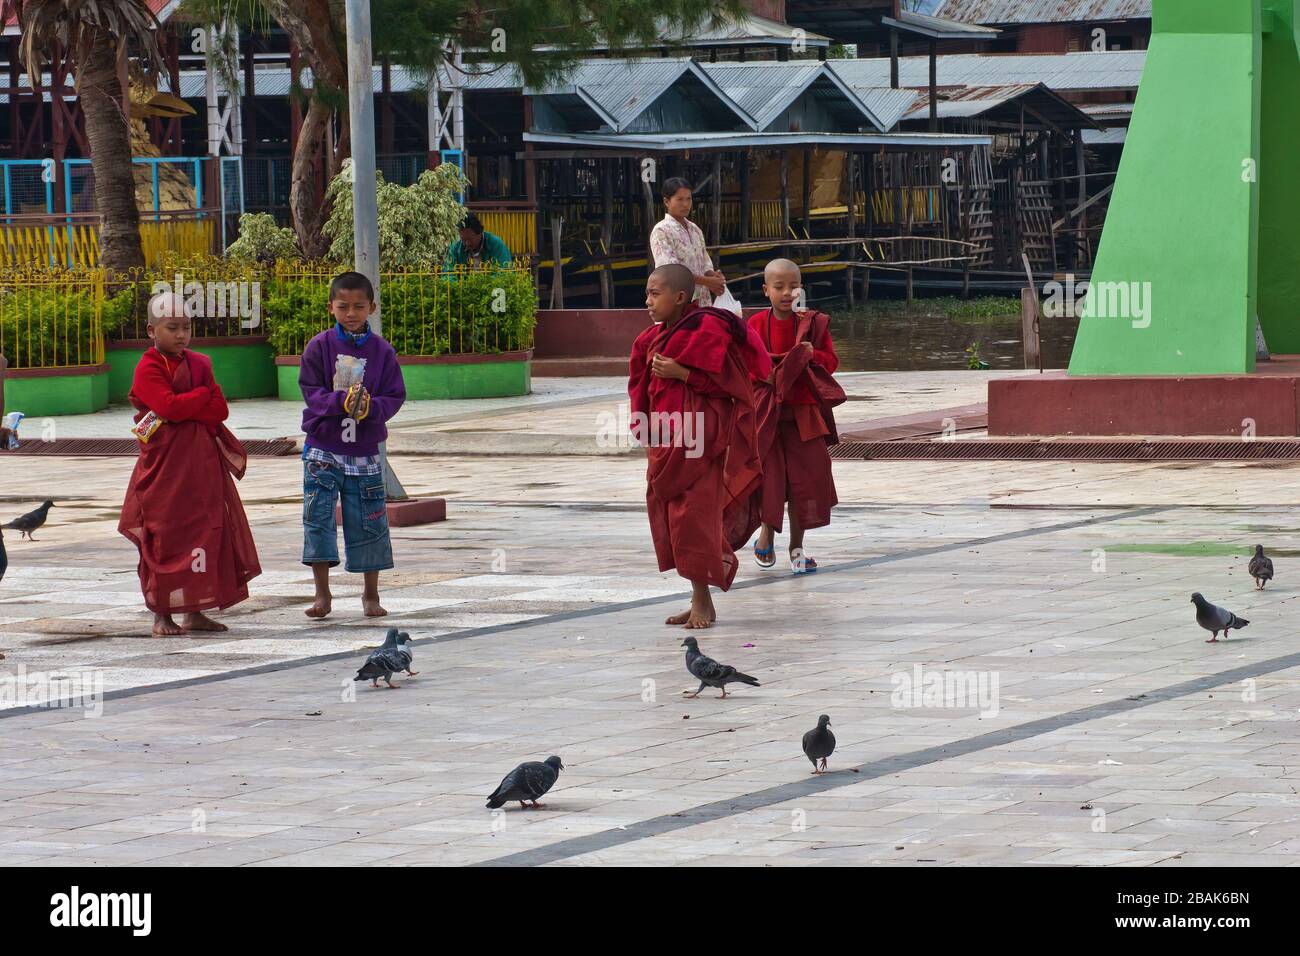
[(148, 424)]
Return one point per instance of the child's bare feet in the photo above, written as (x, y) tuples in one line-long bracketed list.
[(321, 607), (688, 616), (701, 613), (199, 621), (700, 618), (370, 595), (164, 625)]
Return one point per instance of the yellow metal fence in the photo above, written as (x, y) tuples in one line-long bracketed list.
[(76, 245), (517, 228), (61, 319), (50, 320)]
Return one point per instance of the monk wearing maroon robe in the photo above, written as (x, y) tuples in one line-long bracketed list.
[(794, 445), (181, 509), (691, 406)]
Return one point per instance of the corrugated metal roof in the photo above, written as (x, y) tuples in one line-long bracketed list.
[(887, 105), (998, 103), (676, 142), (969, 101), (1043, 11), (624, 89), (765, 90), (938, 27), (1112, 70), (1106, 137), (748, 27)]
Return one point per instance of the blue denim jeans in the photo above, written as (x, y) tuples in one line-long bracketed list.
[(365, 518)]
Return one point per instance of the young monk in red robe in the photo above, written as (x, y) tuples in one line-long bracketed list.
[(794, 450), (181, 509), (691, 405)]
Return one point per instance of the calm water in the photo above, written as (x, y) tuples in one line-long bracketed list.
[(919, 341)]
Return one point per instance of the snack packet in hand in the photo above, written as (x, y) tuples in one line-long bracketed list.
[(148, 424)]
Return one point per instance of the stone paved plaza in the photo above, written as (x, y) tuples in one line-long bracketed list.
[(1084, 720)]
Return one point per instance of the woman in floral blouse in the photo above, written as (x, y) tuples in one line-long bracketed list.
[(675, 239)]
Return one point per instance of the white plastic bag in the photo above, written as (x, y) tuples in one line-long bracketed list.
[(729, 302)]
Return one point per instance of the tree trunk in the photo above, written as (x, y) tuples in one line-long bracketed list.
[(108, 134), (309, 165), (313, 27)]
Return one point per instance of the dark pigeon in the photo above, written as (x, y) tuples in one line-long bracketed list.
[(1216, 619), (31, 521), (1261, 568), (819, 743), (709, 672), (528, 781), (4, 557), (394, 655)]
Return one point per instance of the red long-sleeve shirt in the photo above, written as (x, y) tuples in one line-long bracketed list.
[(780, 340), (153, 387)]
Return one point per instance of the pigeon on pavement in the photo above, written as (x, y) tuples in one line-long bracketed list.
[(709, 672), (393, 655), (819, 743), (1261, 568), (528, 781), (31, 521), (4, 557), (1216, 619)]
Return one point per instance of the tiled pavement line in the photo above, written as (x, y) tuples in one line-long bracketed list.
[(324, 630), (810, 786)]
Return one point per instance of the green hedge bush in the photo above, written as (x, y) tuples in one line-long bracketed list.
[(49, 322), (479, 311)]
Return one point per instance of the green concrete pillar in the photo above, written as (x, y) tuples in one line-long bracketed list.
[(1175, 285), (1279, 211)]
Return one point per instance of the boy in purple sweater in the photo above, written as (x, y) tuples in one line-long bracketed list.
[(352, 385)]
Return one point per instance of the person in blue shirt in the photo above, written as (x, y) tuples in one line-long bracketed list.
[(476, 246)]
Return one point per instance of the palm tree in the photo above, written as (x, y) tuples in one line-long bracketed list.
[(94, 33)]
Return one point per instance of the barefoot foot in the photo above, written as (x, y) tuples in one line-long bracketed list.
[(163, 625), (321, 607), (372, 608), (699, 619), (201, 622)]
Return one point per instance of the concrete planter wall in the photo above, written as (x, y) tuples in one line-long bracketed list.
[(244, 365), (439, 377), (38, 392)]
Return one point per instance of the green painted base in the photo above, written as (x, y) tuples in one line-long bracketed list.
[(79, 393), (441, 380), (242, 370)]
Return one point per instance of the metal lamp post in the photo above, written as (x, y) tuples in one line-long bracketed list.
[(365, 211)]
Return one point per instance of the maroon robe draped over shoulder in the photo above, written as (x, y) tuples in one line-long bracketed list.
[(699, 437), (800, 425), (182, 509)]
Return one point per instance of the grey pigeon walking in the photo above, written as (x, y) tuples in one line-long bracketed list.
[(709, 672), (819, 743), (1261, 568), (528, 781), (394, 655), (1216, 619), (31, 521)]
